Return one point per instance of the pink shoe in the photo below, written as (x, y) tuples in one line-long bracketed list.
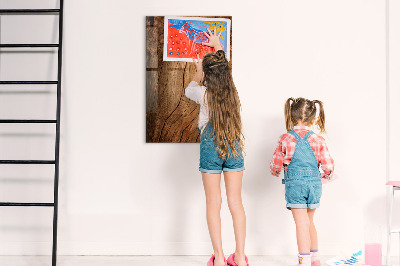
[(211, 261), (231, 260), (316, 263)]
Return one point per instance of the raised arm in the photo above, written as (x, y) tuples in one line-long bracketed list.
[(199, 70), (194, 91)]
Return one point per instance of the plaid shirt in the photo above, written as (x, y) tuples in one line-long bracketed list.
[(287, 144)]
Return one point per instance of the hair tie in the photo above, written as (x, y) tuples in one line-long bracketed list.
[(216, 65)]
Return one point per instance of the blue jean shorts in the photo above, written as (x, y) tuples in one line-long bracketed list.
[(210, 160), (303, 193)]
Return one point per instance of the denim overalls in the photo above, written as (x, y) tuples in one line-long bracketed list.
[(302, 181), (211, 162)]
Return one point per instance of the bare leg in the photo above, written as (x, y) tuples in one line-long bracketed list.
[(233, 183), (302, 221), (212, 188), (313, 230)]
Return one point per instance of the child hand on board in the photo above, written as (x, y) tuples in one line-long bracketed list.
[(213, 39)]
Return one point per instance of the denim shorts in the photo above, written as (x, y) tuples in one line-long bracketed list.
[(210, 160), (303, 193)]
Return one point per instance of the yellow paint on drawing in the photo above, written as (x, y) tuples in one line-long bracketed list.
[(219, 26)]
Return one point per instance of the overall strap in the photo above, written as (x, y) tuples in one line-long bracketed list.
[(294, 133), (308, 134), (297, 136)]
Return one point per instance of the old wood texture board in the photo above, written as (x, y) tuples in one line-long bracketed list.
[(170, 115)]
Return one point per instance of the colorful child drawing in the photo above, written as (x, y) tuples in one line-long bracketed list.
[(183, 37)]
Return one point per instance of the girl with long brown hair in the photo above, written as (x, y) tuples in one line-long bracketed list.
[(221, 147), (302, 153)]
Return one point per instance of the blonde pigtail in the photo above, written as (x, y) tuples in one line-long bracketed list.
[(288, 114), (321, 116)]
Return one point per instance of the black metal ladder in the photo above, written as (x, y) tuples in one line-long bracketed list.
[(57, 82)]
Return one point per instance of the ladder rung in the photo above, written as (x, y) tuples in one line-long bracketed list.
[(27, 121), (28, 11), (29, 82), (38, 204), (27, 161), (395, 231), (33, 45)]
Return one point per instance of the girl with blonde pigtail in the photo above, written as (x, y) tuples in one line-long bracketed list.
[(302, 153)]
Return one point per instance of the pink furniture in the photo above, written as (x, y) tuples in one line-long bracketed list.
[(394, 185), (373, 254)]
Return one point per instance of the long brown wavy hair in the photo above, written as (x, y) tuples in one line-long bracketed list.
[(223, 104), (303, 110)]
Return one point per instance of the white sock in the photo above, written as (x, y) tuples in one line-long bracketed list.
[(314, 255), (305, 260)]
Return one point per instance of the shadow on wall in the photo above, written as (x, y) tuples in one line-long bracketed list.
[(185, 186), (375, 219), (375, 213), (263, 193), (28, 229)]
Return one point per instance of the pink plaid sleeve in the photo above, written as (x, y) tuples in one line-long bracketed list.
[(326, 162), (278, 157)]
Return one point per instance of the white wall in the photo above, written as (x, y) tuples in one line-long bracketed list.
[(120, 195), (394, 110)]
